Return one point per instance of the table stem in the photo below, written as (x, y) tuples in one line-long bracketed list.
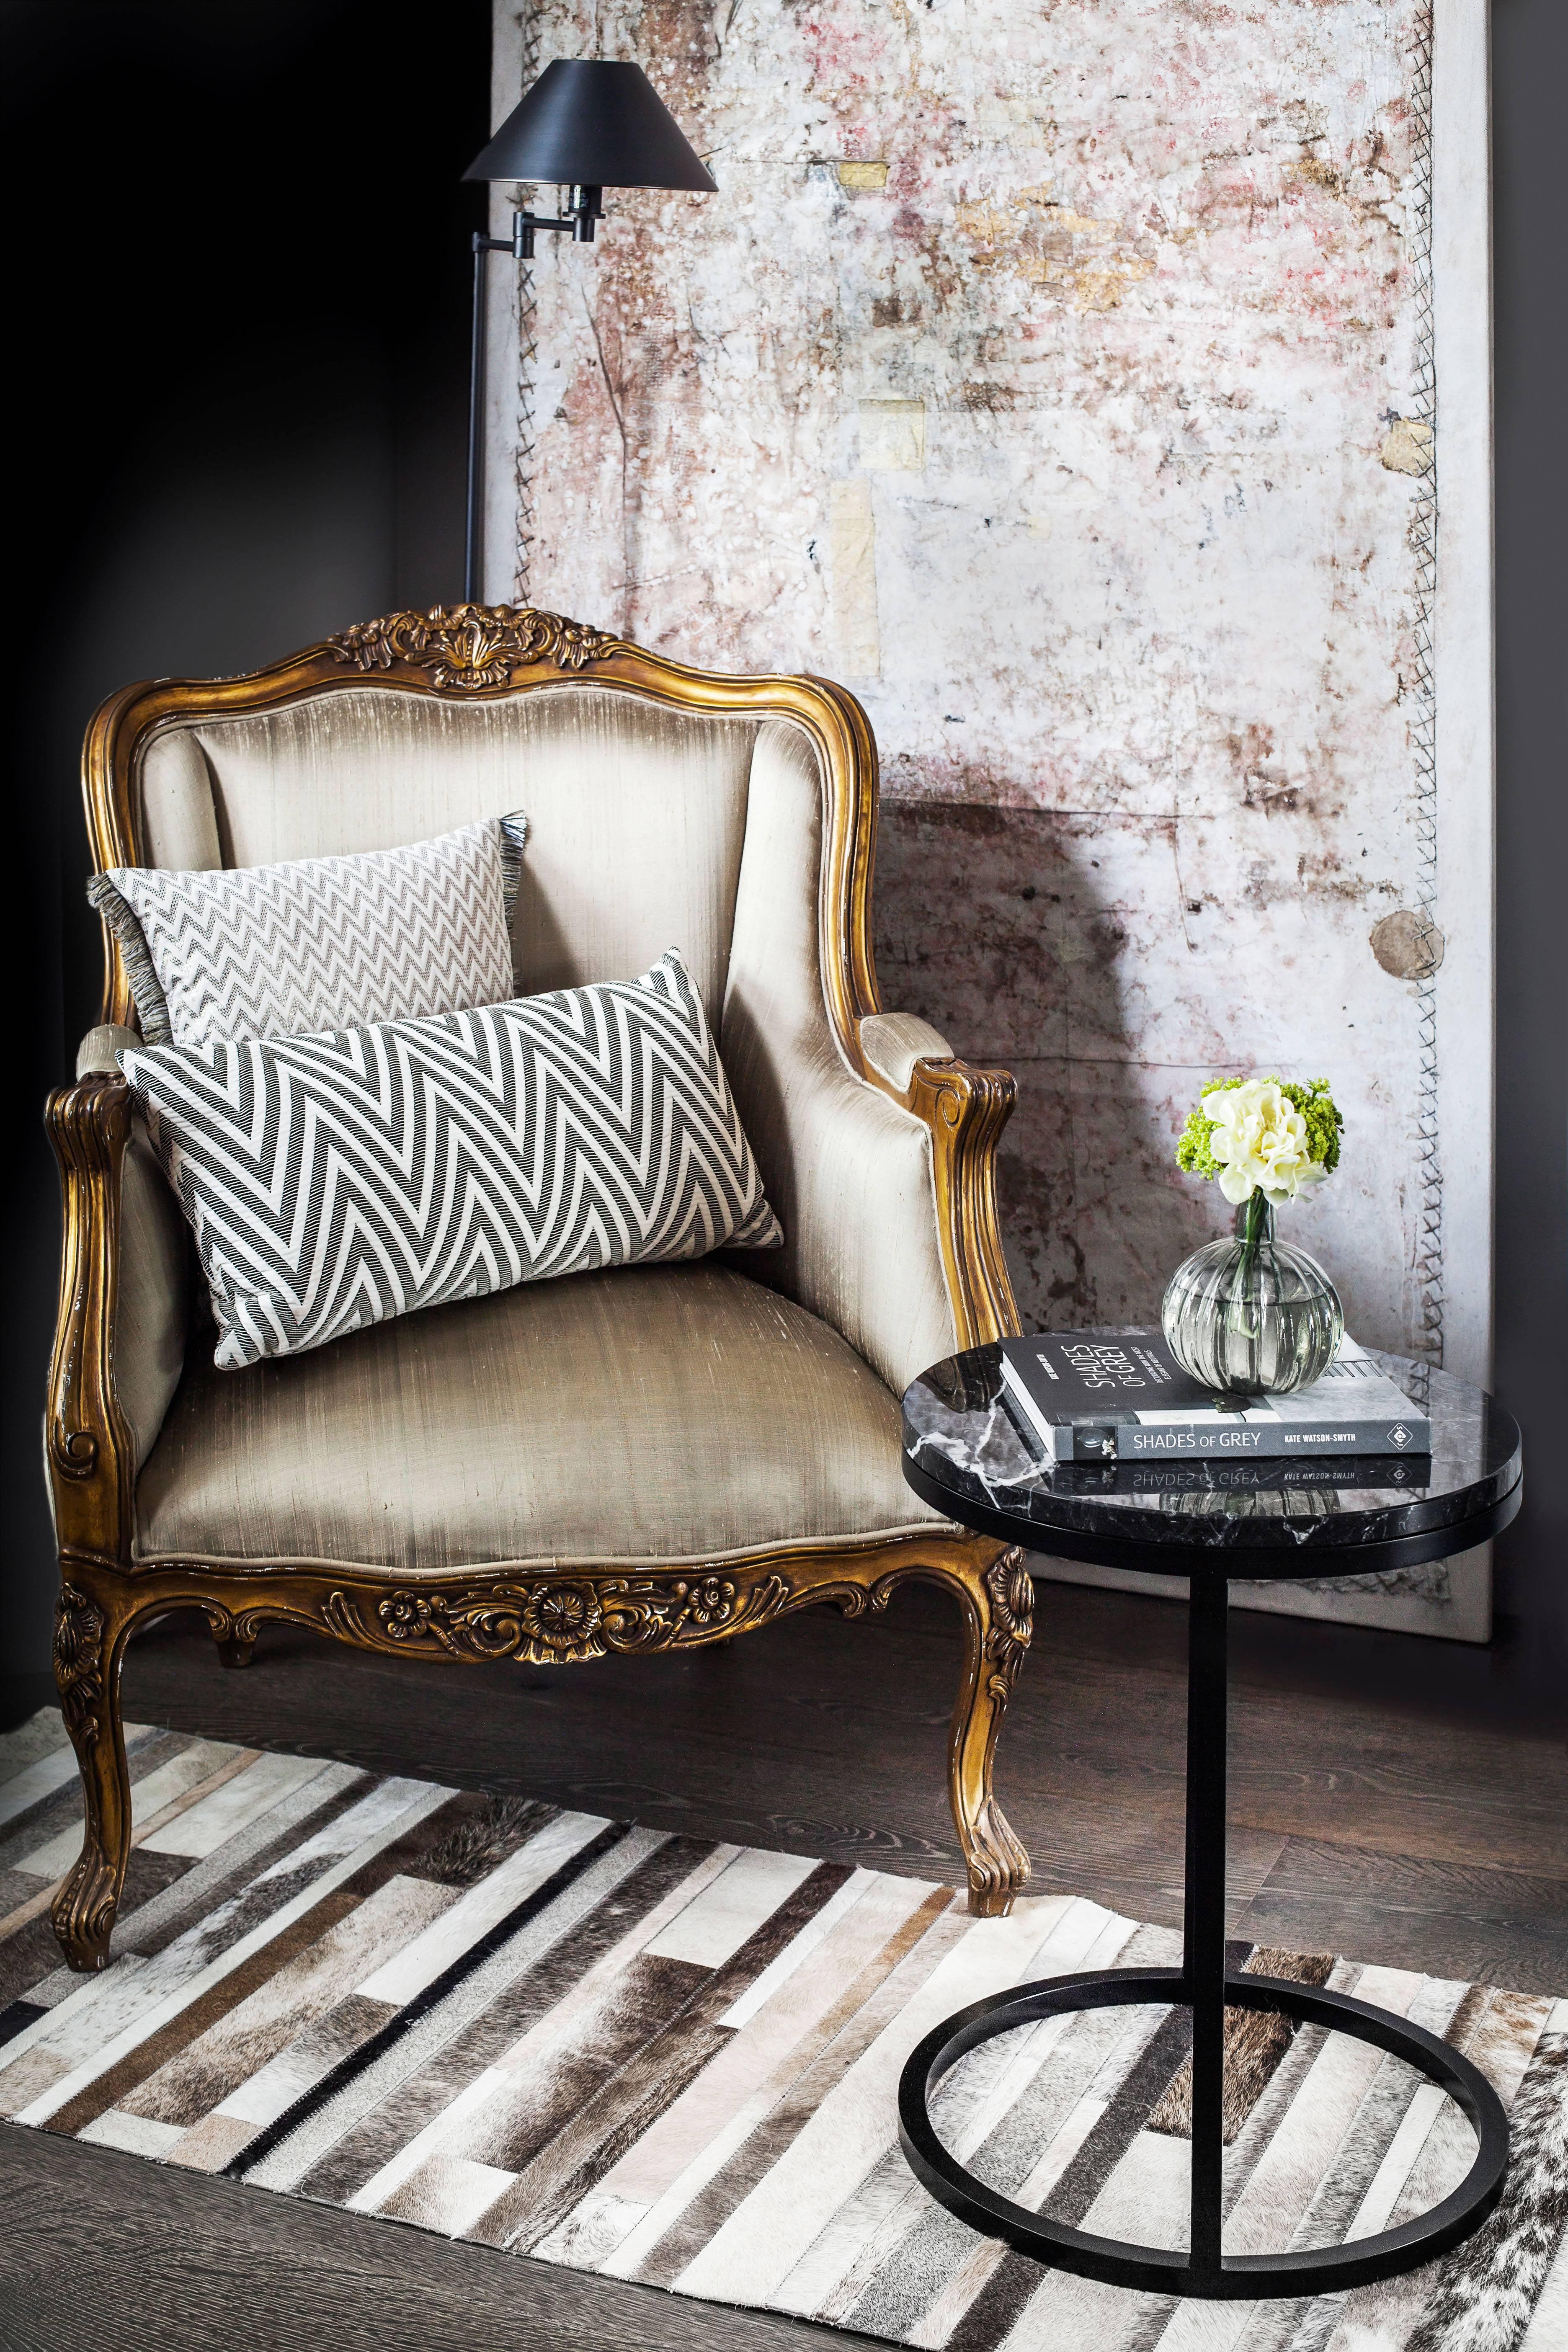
[(1203, 1959)]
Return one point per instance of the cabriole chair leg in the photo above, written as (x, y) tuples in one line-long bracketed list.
[(998, 1621), (88, 1646)]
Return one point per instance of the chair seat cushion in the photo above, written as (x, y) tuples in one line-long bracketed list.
[(650, 1413)]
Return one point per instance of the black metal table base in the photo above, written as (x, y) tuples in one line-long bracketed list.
[(1316, 2270), (1202, 1985)]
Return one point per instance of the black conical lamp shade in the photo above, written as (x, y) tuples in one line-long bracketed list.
[(591, 122)]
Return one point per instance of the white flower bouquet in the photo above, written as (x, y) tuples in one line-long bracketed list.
[(1262, 1135)]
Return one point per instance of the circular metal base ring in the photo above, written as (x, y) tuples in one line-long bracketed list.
[(1316, 2270)]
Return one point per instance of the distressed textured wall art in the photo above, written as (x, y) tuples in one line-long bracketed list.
[(1062, 380)]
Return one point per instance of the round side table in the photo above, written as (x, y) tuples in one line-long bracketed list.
[(1212, 1522)]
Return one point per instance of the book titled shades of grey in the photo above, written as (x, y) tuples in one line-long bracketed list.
[(1108, 1395)]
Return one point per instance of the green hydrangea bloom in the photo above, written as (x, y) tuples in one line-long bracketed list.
[(1192, 1151), (1322, 1119)]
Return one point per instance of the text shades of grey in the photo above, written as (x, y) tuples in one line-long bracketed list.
[(334, 1181)]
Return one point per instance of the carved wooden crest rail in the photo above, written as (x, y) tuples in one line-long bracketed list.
[(466, 648)]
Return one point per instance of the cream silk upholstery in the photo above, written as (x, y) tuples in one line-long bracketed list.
[(853, 1172), (154, 1269), (648, 1413), (652, 1412), (894, 1042)]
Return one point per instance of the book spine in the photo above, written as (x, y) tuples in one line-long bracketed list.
[(1138, 1443), (1054, 1435)]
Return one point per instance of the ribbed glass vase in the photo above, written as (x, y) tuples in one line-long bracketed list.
[(1251, 1316)]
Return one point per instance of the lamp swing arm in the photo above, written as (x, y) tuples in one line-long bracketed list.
[(588, 208)]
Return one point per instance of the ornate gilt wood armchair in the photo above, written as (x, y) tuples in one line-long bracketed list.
[(638, 1460)]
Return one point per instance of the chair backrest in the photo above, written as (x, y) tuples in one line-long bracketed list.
[(634, 774), (636, 814), (731, 817)]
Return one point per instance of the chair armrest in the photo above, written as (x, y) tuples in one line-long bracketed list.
[(120, 1334), (88, 1443), (965, 1111), (887, 1194), (878, 1148)]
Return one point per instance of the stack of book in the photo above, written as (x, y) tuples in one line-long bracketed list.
[(1120, 1396)]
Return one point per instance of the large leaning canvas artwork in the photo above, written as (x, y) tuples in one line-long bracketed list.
[(1100, 390)]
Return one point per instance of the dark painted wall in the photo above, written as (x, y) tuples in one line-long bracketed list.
[(237, 287), (1530, 52)]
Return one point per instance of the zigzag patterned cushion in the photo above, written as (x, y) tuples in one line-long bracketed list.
[(320, 942), (338, 1181)]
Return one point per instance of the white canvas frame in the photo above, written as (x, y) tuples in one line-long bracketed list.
[(1458, 889)]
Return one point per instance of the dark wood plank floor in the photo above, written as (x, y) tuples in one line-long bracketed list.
[(1393, 1798)]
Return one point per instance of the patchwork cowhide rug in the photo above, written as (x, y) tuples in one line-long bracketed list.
[(588, 2044)]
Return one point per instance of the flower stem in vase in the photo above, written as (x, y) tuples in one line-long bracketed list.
[(1254, 1222)]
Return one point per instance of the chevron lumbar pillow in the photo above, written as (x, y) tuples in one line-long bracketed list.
[(336, 1180), (318, 942)]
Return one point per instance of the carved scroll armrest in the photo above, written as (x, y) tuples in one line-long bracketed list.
[(89, 1444), (965, 1110)]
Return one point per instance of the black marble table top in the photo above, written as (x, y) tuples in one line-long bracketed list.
[(964, 1454)]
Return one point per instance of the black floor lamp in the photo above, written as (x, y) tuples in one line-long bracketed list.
[(587, 124)]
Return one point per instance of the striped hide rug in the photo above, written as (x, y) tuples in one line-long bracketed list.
[(675, 2061)]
